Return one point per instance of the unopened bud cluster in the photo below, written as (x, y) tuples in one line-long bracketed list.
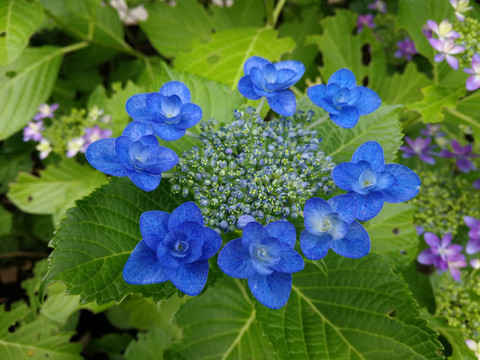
[(469, 31), (266, 169)]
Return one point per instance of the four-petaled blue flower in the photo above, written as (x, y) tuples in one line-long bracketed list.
[(331, 225), (135, 154), (372, 183), (343, 100), (266, 258), (262, 78), (174, 247), (169, 111)]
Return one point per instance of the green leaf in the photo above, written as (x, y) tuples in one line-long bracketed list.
[(223, 57), (360, 311), (467, 112), (149, 346), (245, 13), (56, 189), (11, 165), (96, 238), (5, 221), (18, 20), (392, 233), (320, 264), (25, 84), (221, 325), (171, 29), (435, 99)]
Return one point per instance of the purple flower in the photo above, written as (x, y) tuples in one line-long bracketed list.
[(378, 5), (45, 111), (74, 146), (473, 82), (460, 7), (444, 30), (264, 79), (473, 245), (419, 229), (427, 32), (432, 130), (476, 184), (174, 247), (266, 258), (365, 20), (442, 255), (406, 48), (33, 131), (462, 154), (419, 147), (447, 48), (93, 134)]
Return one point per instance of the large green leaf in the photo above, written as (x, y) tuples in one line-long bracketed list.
[(223, 57), (360, 311), (11, 165), (25, 84), (18, 21), (56, 189), (5, 221), (245, 13), (96, 238), (149, 346), (467, 112)]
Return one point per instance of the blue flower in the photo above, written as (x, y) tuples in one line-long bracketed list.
[(372, 183), (343, 100), (266, 258), (174, 247), (262, 78), (135, 154), (331, 225), (169, 111)]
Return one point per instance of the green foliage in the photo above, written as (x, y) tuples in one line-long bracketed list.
[(18, 20), (223, 57), (11, 165), (56, 189), (149, 346), (5, 221), (245, 13), (25, 84), (467, 112)]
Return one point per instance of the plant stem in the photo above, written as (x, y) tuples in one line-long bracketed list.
[(75, 47), (189, 133), (278, 9), (273, 13), (260, 106), (318, 121)]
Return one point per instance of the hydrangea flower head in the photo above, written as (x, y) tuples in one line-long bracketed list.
[(378, 5), (135, 154), (463, 154), (442, 254), (419, 147), (372, 183), (444, 30), (365, 20), (473, 245), (473, 82), (45, 111), (343, 99), (447, 49), (266, 258), (264, 79), (169, 111), (406, 49), (44, 147), (460, 7), (33, 131), (174, 247), (331, 225)]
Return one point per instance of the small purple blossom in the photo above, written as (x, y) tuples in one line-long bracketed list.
[(419, 229), (473, 245), (406, 48), (427, 31), (473, 82), (75, 146), (476, 184), (444, 30), (460, 7), (93, 134), (462, 154), (365, 20), (475, 263), (442, 255), (419, 147), (447, 48), (45, 111), (432, 130), (378, 5), (33, 131)]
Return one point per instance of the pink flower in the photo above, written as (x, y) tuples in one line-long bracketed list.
[(473, 245), (45, 111), (93, 134), (473, 82), (406, 48), (444, 30), (460, 7), (447, 48), (33, 131), (378, 5), (365, 20)]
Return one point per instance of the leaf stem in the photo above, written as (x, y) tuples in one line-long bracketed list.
[(278, 9), (318, 121), (74, 47)]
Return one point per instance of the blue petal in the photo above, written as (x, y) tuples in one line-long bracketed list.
[(344, 78), (347, 174), (368, 101), (345, 206), (164, 158), (190, 278), (235, 261), (153, 227), (144, 181), (255, 61), (142, 267), (136, 130), (355, 244), (283, 231), (195, 238), (162, 106), (315, 247), (102, 156), (253, 233), (243, 221), (191, 115), (283, 102), (407, 187), (188, 211), (314, 211), (122, 149), (282, 80), (293, 65), (212, 243), (136, 107), (167, 132), (384, 181), (245, 86), (290, 261), (371, 152), (339, 228), (347, 117), (319, 96), (176, 88), (273, 290), (257, 76), (369, 205)]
